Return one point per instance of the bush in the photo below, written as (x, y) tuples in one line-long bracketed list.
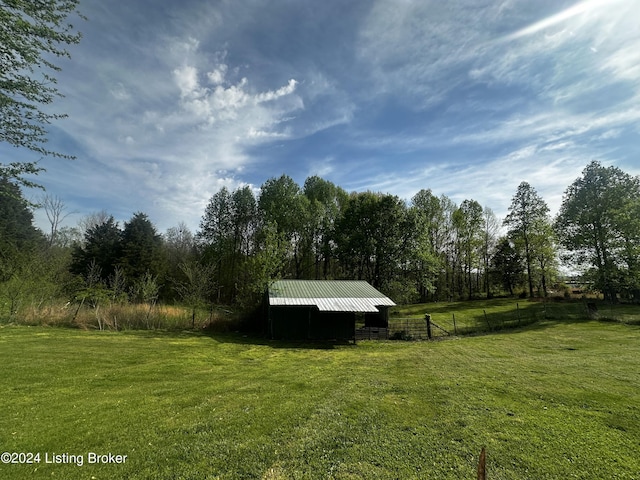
[(401, 335)]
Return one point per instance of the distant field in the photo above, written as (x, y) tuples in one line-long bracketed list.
[(550, 401)]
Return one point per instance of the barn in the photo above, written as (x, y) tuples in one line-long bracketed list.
[(323, 309)]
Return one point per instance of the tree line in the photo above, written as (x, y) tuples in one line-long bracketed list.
[(427, 249)]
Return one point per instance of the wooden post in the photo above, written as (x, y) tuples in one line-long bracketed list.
[(455, 330), (427, 317), (482, 466)]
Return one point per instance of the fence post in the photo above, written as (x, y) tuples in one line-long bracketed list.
[(455, 329), (427, 318), (482, 465)]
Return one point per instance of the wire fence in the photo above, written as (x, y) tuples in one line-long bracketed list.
[(450, 322)]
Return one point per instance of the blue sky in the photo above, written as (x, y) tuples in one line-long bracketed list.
[(169, 101)]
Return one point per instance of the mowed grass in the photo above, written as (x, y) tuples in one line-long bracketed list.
[(550, 401)]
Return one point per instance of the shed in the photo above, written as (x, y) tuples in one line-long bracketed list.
[(323, 309)]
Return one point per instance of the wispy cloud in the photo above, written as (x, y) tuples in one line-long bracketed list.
[(582, 7), (168, 104)]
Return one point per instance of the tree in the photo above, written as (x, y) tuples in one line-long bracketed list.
[(543, 245), (54, 208), (92, 220), (140, 249), (427, 217), (19, 238), (216, 226), (216, 233), (282, 204), (596, 226), (32, 33), (489, 238), (628, 218), (179, 243), (16, 219), (468, 222), (373, 236), (506, 264), (243, 219), (326, 201), (197, 286), (101, 250), (228, 230), (264, 266), (527, 214)]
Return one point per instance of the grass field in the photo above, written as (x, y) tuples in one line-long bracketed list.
[(503, 313), (550, 401)]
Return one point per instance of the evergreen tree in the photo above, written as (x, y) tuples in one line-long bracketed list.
[(18, 236), (140, 249), (101, 251), (16, 218)]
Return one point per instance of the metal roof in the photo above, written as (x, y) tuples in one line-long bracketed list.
[(329, 295)]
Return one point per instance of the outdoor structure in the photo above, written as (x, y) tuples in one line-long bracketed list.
[(323, 309)]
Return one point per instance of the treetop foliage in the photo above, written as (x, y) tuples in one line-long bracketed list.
[(32, 34), (16, 219), (428, 249), (598, 225)]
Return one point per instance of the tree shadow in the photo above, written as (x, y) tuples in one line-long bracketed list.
[(254, 338)]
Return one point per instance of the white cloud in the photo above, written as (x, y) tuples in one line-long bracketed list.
[(322, 167), (579, 8), (217, 75), (119, 92), (281, 92), (186, 78), (178, 115), (624, 63)]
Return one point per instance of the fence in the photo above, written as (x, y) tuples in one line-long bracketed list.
[(372, 333), (452, 320), (415, 329)]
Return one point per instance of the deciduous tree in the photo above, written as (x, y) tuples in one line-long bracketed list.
[(527, 214), (32, 35), (468, 222), (596, 225)]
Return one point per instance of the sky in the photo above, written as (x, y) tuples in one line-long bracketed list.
[(170, 101)]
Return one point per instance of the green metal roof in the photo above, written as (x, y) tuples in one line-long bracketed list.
[(329, 295)]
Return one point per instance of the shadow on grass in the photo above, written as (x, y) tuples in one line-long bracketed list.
[(475, 318), (252, 338)]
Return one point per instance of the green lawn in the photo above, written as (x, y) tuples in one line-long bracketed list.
[(552, 401)]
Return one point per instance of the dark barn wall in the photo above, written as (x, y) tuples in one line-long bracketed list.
[(308, 323), (289, 323), (378, 320), (333, 325)]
